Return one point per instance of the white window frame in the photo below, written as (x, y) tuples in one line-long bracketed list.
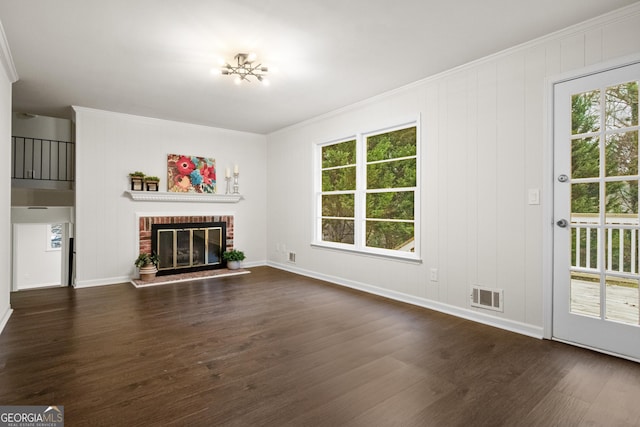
[(359, 245)]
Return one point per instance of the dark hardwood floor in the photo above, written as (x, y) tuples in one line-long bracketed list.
[(276, 349)]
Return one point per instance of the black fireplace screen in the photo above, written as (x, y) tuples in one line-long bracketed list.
[(188, 247)]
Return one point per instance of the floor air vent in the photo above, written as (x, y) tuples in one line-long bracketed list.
[(491, 299)]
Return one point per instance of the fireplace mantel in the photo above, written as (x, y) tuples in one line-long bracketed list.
[(158, 196)]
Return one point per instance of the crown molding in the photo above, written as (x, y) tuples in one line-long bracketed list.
[(5, 57)]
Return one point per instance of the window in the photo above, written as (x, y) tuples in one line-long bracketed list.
[(368, 192), (338, 192), (54, 237)]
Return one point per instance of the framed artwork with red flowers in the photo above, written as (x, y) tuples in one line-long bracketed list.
[(191, 174)]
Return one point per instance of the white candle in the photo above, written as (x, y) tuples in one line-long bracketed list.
[(235, 169), (227, 173)]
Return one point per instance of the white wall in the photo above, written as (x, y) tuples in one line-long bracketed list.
[(483, 139), (30, 243), (110, 145), (7, 77), (43, 127)]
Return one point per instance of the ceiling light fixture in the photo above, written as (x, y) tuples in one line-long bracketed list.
[(245, 68)]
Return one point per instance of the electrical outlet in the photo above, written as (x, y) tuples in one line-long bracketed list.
[(292, 257), (433, 275)]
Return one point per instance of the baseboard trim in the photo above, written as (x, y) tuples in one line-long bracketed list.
[(506, 324), (40, 286), (5, 319), (101, 282)]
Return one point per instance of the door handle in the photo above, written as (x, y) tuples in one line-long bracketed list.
[(562, 223)]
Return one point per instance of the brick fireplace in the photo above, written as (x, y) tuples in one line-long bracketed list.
[(146, 226)]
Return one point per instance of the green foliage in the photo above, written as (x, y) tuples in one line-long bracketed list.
[(391, 205), (151, 179), (393, 174), (585, 198), (389, 235), (391, 164), (392, 145), (619, 112), (136, 174), (585, 112), (342, 179), (621, 104), (340, 154), (621, 149), (585, 158), (338, 205), (233, 255), (146, 259)]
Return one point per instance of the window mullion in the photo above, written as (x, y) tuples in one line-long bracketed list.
[(360, 197)]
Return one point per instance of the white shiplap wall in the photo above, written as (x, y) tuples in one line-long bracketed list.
[(484, 142), (110, 145)]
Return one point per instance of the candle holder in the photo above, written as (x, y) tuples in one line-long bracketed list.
[(235, 183), (228, 189)]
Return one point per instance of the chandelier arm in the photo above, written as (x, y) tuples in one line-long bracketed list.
[(245, 68)]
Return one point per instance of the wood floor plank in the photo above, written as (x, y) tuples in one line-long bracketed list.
[(273, 348)]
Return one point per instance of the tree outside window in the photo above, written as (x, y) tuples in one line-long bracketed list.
[(367, 200)]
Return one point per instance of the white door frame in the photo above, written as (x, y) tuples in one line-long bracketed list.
[(548, 179)]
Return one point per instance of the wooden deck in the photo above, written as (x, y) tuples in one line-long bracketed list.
[(622, 301)]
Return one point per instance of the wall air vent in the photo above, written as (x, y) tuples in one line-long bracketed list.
[(489, 298)]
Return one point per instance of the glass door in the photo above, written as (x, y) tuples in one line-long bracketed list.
[(596, 299)]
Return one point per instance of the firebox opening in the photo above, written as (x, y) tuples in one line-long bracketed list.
[(188, 247)]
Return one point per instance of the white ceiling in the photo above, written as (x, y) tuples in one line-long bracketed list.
[(153, 57)]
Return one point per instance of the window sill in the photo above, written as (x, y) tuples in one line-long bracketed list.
[(409, 257)]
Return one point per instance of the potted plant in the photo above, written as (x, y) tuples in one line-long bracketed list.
[(152, 182), (148, 265), (234, 258), (137, 179)]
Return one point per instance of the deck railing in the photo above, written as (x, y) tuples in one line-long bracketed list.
[(620, 250), (42, 159)]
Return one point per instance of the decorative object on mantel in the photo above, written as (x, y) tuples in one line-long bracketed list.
[(234, 258), (236, 174), (148, 265), (151, 182), (227, 177), (191, 174), (137, 181)]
